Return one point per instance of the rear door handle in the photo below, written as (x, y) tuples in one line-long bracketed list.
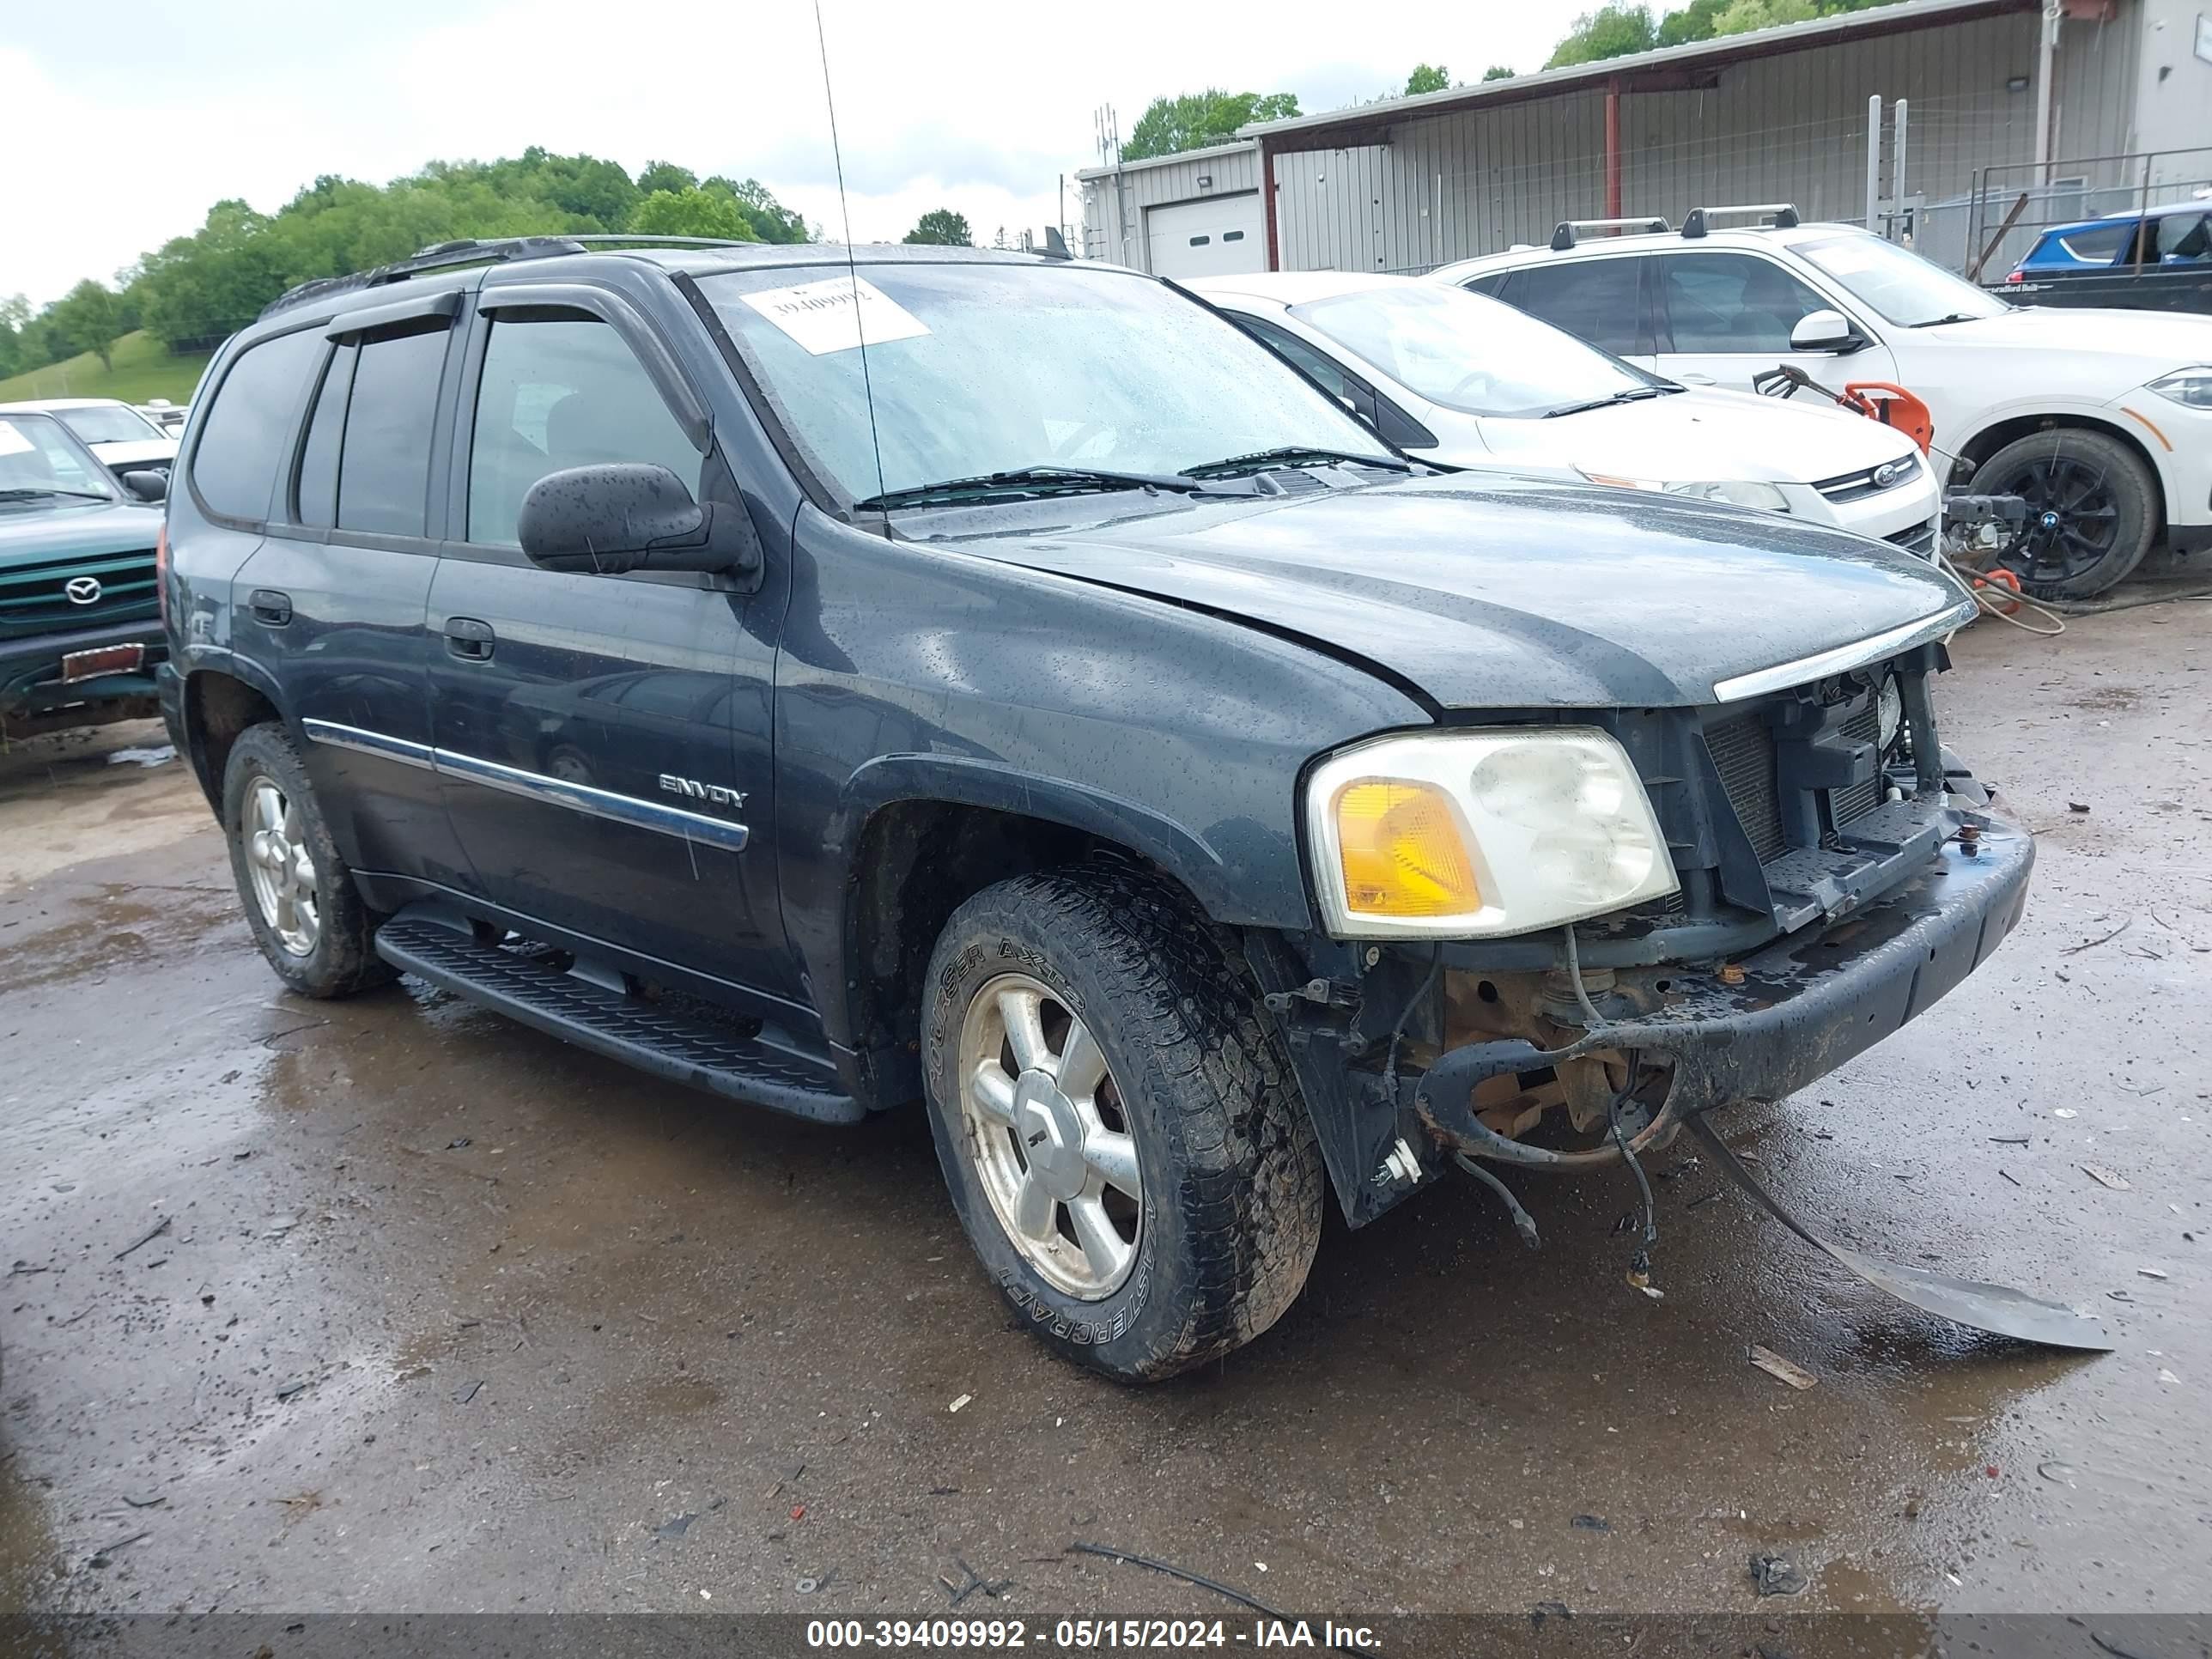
[(271, 607), (469, 640)]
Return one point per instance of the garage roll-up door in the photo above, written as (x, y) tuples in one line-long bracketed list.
[(1217, 236)]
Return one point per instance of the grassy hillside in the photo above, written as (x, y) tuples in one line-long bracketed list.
[(142, 370)]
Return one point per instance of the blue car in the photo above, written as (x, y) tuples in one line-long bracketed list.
[(2160, 259)]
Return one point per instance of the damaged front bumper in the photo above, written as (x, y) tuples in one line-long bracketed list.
[(1772, 1022), (1759, 1026)]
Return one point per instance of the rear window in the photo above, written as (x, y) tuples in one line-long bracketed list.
[(1595, 299), (249, 427)]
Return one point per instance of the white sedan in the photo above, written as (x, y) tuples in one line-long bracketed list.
[(1465, 382), (124, 440)]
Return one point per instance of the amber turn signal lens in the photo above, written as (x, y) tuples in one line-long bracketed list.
[(1401, 851)]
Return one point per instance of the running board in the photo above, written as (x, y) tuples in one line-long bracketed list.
[(666, 1043)]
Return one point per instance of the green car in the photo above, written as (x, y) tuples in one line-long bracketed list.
[(80, 623)]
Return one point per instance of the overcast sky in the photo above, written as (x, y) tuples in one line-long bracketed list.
[(149, 113)]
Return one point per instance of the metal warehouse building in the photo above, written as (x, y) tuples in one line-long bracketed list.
[(1780, 114)]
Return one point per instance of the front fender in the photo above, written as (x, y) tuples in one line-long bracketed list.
[(969, 780)]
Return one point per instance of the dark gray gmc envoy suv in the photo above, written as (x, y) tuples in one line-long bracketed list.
[(994, 681)]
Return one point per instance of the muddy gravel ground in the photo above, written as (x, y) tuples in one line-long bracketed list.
[(438, 1314)]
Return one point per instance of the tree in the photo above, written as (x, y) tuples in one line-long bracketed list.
[(1741, 16), (1427, 77), (1199, 118), (1613, 30), (1500, 72), (771, 220), (941, 228), (85, 319), (692, 211), (665, 175)]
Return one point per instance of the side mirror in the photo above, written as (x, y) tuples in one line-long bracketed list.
[(608, 521), (147, 486), (1824, 331)]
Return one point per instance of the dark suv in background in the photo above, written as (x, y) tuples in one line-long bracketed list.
[(994, 681)]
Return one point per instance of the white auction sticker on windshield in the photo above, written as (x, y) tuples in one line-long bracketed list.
[(12, 442), (823, 317)]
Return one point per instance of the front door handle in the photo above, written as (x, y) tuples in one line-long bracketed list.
[(469, 640), (269, 606)]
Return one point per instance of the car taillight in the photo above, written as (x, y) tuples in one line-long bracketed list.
[(2016, 277), (161, 571)]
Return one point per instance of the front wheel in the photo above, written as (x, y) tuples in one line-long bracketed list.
[(2092, 510), (1118, 1125)]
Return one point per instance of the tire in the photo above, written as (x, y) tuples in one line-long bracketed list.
[(1230, 1173), (2093, 509), (340, 957)]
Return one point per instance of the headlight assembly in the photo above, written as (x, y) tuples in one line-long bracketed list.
[(2193, 386), (1736, 492), (1473, 835)]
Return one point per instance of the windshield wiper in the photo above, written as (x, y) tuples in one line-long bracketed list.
[(35, 492), (1955, 317), (1028, 480), (1289, 455), (1633, 395)]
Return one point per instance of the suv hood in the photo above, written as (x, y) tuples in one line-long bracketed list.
[(1699, 434), (2141, 344), (1502, 593)]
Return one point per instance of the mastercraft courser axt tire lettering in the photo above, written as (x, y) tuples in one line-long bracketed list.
[(1189, 1067)]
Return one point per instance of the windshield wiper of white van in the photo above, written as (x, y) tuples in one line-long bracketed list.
[(1633, 395), (1260, 460), (1027, 483), (38, 492)]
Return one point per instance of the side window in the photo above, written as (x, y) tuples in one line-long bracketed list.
[(2098, 247), (318, 495), (1594, 298), (556, 393), (1491, 282), (1731, 303), (383, 463), (2186, 236), (248, 434)]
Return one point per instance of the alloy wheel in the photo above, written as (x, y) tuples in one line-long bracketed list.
[(280, 868), (1050, 1137), (2072, 518)]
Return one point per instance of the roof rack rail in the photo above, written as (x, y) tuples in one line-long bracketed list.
[(470, 251), (1696, 224), (1563, 237)]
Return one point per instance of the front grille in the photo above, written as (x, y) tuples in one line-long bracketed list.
[(1743, 752), (34, 596), (1858, 486), (1919, 538), (1860, 798)]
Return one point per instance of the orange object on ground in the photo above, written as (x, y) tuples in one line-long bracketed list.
[(1893, 405), (2010, 583)]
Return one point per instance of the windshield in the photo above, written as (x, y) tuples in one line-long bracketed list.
[(109, 423), (1899, 285), (37, 458), (983, 368), (1468, 353)]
